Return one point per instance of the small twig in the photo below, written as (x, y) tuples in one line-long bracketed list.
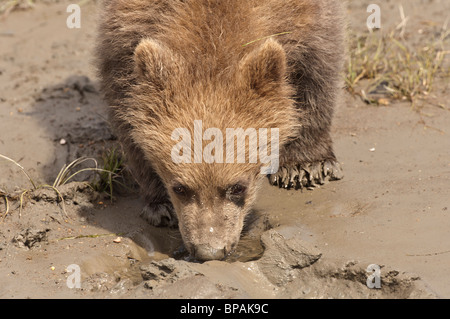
[(90, 236), (402, 24), (429, 255)]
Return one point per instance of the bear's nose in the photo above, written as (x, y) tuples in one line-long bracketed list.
[(205, 252)]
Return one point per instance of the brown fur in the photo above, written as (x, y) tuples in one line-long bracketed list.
[(164, 64)]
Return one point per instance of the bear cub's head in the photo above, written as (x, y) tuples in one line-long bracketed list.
[(210, 126)]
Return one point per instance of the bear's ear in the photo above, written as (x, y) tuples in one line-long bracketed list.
[(264, 69), (153, 63)]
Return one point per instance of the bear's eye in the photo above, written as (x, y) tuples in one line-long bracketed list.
[(179, 190), (237, 190)]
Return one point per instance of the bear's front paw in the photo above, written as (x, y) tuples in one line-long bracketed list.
[(307, 175), (160, 215)]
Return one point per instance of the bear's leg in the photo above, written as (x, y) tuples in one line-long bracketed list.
[(158, 209), (309, 159)]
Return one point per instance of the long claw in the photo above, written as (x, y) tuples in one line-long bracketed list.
[(307, 175)]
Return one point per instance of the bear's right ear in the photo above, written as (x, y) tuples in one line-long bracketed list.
[(264, 68), (153, 63)]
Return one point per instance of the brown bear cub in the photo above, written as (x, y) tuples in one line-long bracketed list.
[(167, 65)]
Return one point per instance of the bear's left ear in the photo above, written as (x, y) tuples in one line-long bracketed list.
[(154, 64), (264, 69)]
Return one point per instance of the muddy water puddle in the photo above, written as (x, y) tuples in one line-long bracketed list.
[(154, 257), (270, 261), (248, 249)]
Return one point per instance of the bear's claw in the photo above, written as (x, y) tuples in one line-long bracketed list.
[(307, 176)]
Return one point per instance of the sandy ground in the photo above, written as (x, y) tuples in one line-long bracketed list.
[(392, 209)]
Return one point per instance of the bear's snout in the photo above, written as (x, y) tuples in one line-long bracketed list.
[(205, 252)]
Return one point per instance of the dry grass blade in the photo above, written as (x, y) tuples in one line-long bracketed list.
[(21, 168), (90, 236), (11, 5), (63, 175), (21, 202), (5, 197), (60, 196)]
